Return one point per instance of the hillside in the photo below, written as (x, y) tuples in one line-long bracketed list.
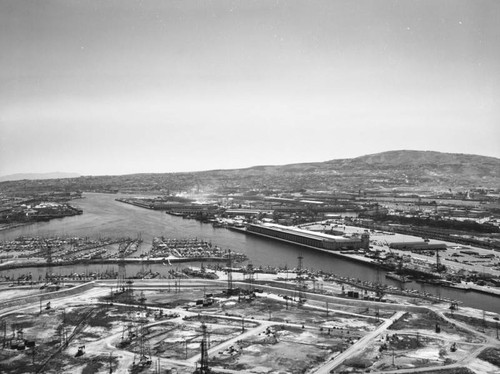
[(388, 169), (393, 169)]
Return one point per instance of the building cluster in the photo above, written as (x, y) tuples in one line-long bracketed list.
[(37, 207)]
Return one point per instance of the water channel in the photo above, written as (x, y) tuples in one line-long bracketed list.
[(105, 217)]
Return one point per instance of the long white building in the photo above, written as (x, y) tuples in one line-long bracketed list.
[(309, 238)]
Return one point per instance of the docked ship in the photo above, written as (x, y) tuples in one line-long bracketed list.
[(399, 278)]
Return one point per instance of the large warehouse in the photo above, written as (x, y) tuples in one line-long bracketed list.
[(309, 238)]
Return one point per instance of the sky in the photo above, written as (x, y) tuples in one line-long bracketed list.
[(125, 86)]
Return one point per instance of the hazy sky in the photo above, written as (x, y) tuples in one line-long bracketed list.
[(115, 87)]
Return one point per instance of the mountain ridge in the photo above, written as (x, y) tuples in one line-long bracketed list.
[(401, 168), (369, 159)]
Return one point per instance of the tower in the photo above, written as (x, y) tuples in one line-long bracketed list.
[(229, 274), (203, 368), (249, 275), (300, 279)]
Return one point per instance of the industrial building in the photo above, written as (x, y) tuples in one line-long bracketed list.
[(309, 238), (187, 209)]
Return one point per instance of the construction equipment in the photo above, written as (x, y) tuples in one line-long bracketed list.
[(81, 351)]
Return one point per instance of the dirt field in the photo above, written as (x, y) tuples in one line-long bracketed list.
[(141, 329)]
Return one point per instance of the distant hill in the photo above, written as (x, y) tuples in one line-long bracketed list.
[(426, 158), (33, 176), (403, 168), (387, 170), (403, 159)]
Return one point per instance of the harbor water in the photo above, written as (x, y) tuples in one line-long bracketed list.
[(103, 216)]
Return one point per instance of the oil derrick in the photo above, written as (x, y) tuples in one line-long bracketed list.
[(379, 291), (229, 274), (110, 362), (129, 291), (439, 266), (4, 332), (122, 250), (128, 334), (48, 274), (400, 266), (143, 351), (249, 275), (139, 240), (300, 279), (203, 368), (121, 277), (142, 300)]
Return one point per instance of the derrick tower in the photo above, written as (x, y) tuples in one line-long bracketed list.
[(203, 368), (229, 274), (300, 279)]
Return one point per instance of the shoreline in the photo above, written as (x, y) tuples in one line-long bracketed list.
[(9, 226)]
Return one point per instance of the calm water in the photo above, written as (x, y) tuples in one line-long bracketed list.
[(105, 217)]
